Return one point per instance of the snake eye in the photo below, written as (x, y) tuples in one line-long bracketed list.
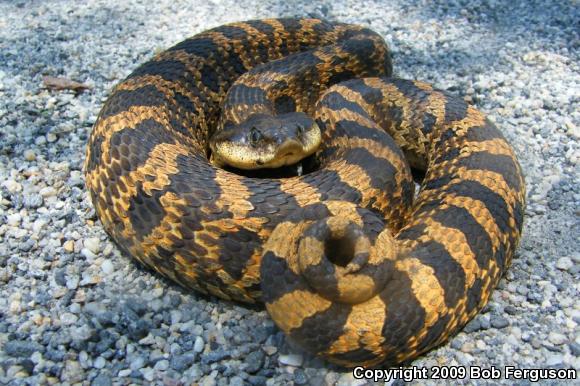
[(299, 129), (255, 136)]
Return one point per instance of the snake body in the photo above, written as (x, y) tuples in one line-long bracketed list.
[(346, 261)]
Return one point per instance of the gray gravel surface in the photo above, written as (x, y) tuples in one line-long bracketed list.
[(73, 309)]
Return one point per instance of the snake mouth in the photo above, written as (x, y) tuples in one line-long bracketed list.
[(266, 146)]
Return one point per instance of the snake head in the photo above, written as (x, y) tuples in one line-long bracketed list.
[(266, 141)]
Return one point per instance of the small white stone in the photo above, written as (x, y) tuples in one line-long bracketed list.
[(480, 344), (51, 137), (93, 244), (564, 263), (208, 381), (291, 359), (348, 379), (162, 365), (12, 186), (68, 319), (107, 267), (99, 363), (13, 219), (90, 256), (47, 191), (29, 155), (157, 292), (39, 141), (199, 344), (557, 338), (148, 374), (38, 225), (270, 350)]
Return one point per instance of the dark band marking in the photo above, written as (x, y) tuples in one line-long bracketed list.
[(359, 355), (145, 211), (286, 281), (284, 104), (503, 165), (474, 296), (428, 123), (95, 153), (170, 70), (210, 77), (380, 171), (476, 236), (448, 154), (185, 104), (331, 187), (435, 333), (338, 77), (372, 223), (438, 183), (121, 100), (405, 315), (320, 339), (449, 272), (335, 101), (487, 132), (198, 46), (134, 145), (232, 32), (237, 249), (354, 129), (455, 108), (519, 215), (412, 233), (492, 201), (415, 94)]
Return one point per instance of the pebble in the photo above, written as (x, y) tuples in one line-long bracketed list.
[(499, 322), (348, 379), (19, 348), (198, 345), (93, 244), (12, 186), (51, 137), (564, 263), (33, 201), (557, 338), (102, 380), (69, 246), (88, 254), (107, 267), (29, 155), (148, 374), (99, 363), (14, 219), (68, 319), (162, 365), (291, 360), (554, 360), (270, 350), (254, 361), (137, 363)]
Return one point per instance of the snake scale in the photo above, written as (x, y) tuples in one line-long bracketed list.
[(348, 262)]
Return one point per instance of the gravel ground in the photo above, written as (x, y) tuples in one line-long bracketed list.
[(72, 309)]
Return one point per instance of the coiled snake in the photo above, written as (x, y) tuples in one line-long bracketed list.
[(347, 262)]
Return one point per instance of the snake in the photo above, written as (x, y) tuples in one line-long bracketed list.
[(352, 263)]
